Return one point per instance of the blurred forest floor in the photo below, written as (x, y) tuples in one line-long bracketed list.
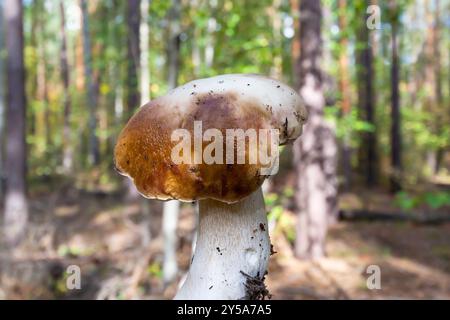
[(101, 233)]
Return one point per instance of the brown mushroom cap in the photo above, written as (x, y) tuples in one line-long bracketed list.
[(143, 150)]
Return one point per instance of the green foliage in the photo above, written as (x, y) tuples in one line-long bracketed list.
[(349, 126), (276, 205), (434, 200), (437, 200), (419, 125), (244, 38), (405, 201), (155, 270)]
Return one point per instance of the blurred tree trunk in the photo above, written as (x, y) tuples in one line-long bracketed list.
[(145, 98), (315, 151), (171, 208), (430, 81), (133, 56), (344, 86), (42, 86), (277, 62), (16, 206), (295, 48), (132, 82), (366, 100), (436, 35), (93, 145), (396, 143), (211, 29), (173, 49), (144, 47), (196, 57), (67, 142), (116, 40), (2, 100), (32, 120)]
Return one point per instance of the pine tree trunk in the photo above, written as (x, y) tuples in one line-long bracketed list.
[(67, 143), (133, 56), (196, 58), (93, 145), (396, 144), (2, 102), (438, 79), (16, 206), (344, 86), (277, 62), (295, 49), (366, 102), (42, 87), (315, 151), (173, 50)]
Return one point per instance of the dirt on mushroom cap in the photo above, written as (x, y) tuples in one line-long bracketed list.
[(143, 150)]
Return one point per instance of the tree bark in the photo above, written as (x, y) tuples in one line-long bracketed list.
[(43, 116), (133, 55), (366, 102), (132, 82), (275, 17), (93, 145), (344, 86), (16, 206), (145, 97), (438, 79), (144, 47), (67, 143), (295, 49), (210, 29), (171, 208), (2, 101), (173, 50), (396, 144), (315, 151)]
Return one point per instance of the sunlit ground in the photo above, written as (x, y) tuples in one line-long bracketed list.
[(102, 235)]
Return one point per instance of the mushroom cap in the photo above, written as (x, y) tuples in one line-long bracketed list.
[(234, 101)]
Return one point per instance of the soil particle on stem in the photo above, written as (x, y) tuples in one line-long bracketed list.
[(255, 288), (272, 251)]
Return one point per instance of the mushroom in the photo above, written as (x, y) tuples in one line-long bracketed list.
[(233, 245)]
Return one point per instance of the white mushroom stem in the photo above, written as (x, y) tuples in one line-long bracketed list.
[(232, 239)]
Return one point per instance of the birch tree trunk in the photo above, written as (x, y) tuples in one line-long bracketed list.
[(171, 208), (144, 47), (144, 37)]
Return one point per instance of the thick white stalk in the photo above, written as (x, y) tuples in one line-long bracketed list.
[(232, 239)]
